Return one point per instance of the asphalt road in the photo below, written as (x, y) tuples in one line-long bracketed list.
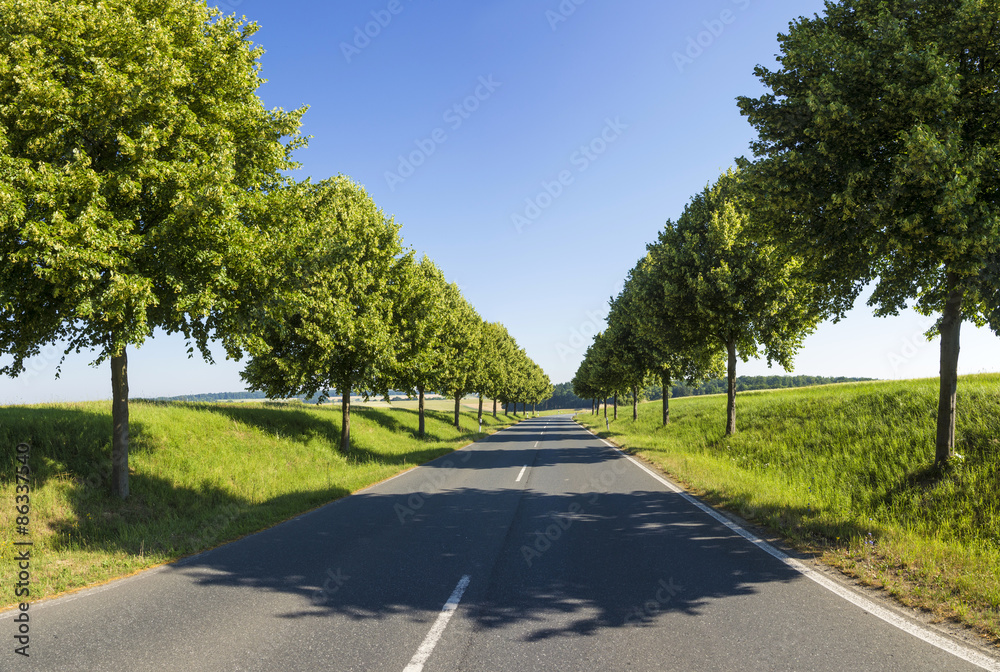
[(552, 551)]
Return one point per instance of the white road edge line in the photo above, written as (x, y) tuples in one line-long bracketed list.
[(523, 469), (954, 648), (425, 650)]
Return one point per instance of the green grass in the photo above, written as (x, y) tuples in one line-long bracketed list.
[(846, 471), (201, 475)]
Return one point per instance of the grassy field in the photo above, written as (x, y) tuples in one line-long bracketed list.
[(845, 471), (559, 411), (201, 474)]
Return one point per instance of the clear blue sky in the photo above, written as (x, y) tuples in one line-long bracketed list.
[(534, 86)]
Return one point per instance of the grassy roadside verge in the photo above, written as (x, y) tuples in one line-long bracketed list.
[(845, 472), (201, 475)]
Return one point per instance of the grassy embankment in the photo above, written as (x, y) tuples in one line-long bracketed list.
[(845, 471), (201, 474)]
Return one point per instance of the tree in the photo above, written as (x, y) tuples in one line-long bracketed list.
[(726, 287), (496, 346), (514, 376), (583, 382), (602, 372), (460, 345), (327, 318), (631, 362), (539, 387), (133, 146), (421, 320), (880, 137), (644, 310), (525, 382), (499, 371)]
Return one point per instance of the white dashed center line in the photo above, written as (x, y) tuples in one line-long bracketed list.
[(425, 650)]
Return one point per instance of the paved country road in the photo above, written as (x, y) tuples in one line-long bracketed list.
[(539, 548)]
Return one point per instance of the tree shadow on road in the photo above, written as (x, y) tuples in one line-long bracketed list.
[(571, 566)]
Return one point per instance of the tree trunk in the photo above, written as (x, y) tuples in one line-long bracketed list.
[(494, 409), (345, 421), (635, 403), (458, 401), (119, 425), (480, 408), (605, 409), (420, 410), (616, 405), (731, 403), (665, 383), (951, 326), (533, 409)]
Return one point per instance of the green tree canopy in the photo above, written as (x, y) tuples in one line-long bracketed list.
[(600, 373), (509, 382), (461, 340), (632, 363), (421, 319), (584, 380), (539, 387), (496, 349), (726, 288), (880, 136), (132, 145), (327, 314), (672, 356)]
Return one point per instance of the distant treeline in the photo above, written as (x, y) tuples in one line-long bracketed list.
[(563, 396)]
